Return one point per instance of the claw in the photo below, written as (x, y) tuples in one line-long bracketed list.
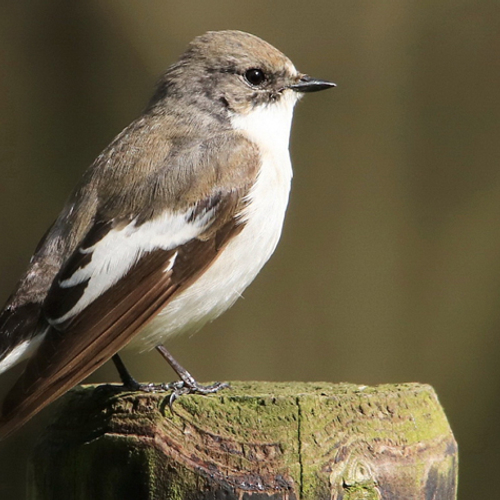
[(171, 400), (181, 387), (187, 384)]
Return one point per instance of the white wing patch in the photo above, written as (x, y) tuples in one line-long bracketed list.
[(171, 263), (115, 254), (21, 352)]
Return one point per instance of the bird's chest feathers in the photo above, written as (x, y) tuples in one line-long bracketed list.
[(243, 257), (269, 128), (264, 213)]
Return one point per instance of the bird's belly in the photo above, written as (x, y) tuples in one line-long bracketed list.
[(234, 269)]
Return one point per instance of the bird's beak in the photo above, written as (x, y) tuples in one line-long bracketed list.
[(307, 83)]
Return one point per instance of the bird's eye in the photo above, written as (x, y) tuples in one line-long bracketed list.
[(255, 77)]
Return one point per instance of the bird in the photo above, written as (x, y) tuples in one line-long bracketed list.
[(167, 227)]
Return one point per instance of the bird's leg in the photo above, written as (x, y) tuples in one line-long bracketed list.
[(130, 383), (187, 384)]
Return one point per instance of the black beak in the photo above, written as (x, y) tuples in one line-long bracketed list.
[(309, 84)]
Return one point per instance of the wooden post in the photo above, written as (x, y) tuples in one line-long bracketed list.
[(257, 440)]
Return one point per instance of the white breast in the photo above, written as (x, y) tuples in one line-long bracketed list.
[(225, 280)]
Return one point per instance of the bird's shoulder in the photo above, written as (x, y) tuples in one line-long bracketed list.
[(159, 164)]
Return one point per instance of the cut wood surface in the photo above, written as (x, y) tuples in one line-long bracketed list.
[(257, 439)]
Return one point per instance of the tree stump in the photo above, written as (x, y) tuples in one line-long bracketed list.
[(257, 440)]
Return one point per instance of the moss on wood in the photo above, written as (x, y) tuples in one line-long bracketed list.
[(259, 440)]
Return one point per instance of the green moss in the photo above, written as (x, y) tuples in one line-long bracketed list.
[(316, 439)]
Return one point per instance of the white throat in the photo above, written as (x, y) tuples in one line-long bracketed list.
[(268, 125)]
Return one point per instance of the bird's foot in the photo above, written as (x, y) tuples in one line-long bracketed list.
[(190, 386), (187, 384)]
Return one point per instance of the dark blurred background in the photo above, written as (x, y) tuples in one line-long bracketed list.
[(389, 265)]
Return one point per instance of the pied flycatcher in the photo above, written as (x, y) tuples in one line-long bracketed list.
[(166, 229)]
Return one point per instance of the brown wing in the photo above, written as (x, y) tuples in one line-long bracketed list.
[(94, 335)]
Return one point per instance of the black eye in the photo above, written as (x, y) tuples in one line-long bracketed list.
[(255, 77)]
